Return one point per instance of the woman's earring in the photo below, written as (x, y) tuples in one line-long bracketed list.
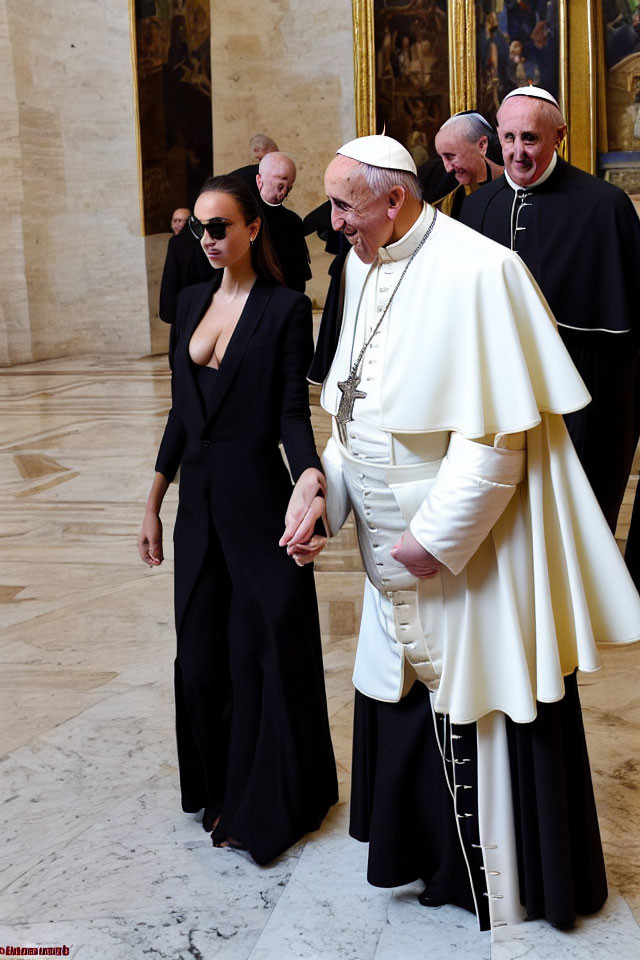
[(251, 239)]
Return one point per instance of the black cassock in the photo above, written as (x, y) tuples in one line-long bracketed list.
[(249, 174), (285, 231), (254, 745), (185, 264), (580, 237)]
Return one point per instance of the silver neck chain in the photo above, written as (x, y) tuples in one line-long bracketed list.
[(358, 360)]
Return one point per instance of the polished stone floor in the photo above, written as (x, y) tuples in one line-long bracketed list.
[(96, 854)]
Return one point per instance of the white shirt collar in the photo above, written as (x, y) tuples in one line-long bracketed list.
[(405, 246), (532, 186)]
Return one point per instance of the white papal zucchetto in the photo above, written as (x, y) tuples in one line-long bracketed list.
[(530, 91), (379, 151)]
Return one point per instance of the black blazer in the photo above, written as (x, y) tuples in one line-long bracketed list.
[(232, 472), (261, 390)]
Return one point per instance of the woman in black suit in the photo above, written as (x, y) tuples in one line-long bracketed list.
[(254, 747)]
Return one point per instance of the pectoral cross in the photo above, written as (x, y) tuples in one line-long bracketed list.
[(350, 394)]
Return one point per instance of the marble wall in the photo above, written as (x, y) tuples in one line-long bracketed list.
[(14, 308), (77, 275), (284, 68)]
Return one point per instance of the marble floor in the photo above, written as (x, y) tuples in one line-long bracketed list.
[(96, 855)]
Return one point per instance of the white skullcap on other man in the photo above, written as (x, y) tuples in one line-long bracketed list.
[(379, 151), (537, 92)]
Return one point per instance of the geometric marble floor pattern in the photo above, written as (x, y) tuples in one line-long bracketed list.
[(96, 855)]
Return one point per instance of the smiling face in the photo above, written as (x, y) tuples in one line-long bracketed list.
[(236, 244), (529, 131), (459, 156), (356, 211)]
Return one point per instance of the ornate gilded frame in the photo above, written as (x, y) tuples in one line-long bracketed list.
[(578, 77)]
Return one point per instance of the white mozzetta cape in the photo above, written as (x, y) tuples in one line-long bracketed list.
[(470, 348)]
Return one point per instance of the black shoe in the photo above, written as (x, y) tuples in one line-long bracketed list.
[(427, 901)]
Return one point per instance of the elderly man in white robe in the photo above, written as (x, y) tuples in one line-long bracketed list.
[(484, 550)]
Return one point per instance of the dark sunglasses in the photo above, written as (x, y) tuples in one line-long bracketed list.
[(216, 228)]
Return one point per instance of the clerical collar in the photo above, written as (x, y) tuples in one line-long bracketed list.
[(540, 180), (267, 204), (405, 246)]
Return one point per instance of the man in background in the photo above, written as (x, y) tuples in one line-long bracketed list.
[(276, 176), (466, 144), (580, 238), (259, 146), (184, 265), (179, 218)]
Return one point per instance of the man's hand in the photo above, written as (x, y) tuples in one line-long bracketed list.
[(306, 506), (418, 561), (304, 553)]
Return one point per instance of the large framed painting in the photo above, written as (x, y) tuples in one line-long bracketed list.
[(619, 159), (517, 44), (621, 24), (171, 49), (402, 70), (419, 61)]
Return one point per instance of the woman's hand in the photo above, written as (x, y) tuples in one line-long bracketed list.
[(150, 539), (306, 506), (412, 555), (304, 553)]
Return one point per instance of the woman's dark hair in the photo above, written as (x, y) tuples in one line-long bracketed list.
[(263, 257)]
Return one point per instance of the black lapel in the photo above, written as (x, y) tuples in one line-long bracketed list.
[(199, 306), (247, 323)]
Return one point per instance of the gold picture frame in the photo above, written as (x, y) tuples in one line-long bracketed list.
[(577, 68)]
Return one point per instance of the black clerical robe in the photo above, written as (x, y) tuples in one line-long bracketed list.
[(451, 202), (248, 174), (287, 238), (319, 221), (580, 237), (185, 264)]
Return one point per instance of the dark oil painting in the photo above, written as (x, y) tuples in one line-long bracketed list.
[(518, 44), (412, 72), (174, 91), (622, 50)]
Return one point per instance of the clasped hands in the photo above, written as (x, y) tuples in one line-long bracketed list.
[(306, 507)]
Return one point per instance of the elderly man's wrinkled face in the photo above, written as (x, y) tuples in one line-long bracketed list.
[(356, 211), (464, 159), (179, 218), (529, 136)]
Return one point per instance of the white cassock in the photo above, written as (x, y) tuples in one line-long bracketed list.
[(461, 437)]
